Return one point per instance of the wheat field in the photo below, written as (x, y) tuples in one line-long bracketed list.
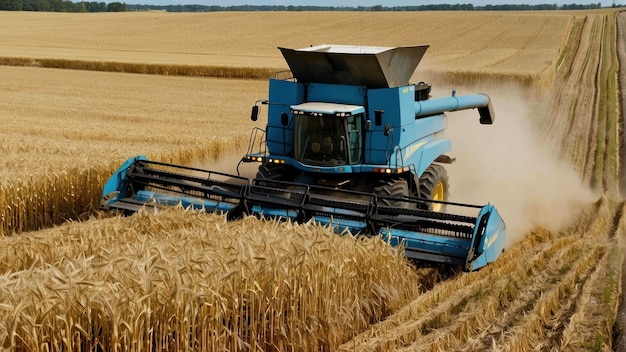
[(65, 132), (184, 280), (109, 117), (515, 46), (179, 280)]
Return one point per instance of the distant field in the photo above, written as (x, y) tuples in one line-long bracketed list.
[(58, 119), (517, 45)]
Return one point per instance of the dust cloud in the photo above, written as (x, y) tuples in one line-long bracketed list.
[(227, 163), (508, 165)]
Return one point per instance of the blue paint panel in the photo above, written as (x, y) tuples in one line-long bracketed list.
[(378, 146), (493, 240), (399, 111), (451, 246), (342, 169), (420, 128), (430, 152), (336, 93), (282, 95), (207, 205), (406, 97)]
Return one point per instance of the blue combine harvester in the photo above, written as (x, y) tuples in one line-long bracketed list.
[(349, 143)]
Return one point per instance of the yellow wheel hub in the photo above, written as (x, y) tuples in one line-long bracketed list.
[(438, 195)]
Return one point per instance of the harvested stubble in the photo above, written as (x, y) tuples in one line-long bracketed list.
[(584, 121), (180, 280), (536, 294)]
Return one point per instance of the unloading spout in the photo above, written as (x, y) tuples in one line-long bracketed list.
[(438, 106)]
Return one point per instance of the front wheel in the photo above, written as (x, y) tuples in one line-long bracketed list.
[(274, 173), (393, 188), (434, 185)]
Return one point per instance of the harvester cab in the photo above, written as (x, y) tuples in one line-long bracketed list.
[(348, 143)]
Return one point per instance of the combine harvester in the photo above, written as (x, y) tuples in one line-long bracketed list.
[(349, 143)]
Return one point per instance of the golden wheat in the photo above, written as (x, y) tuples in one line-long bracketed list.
[(80, 126), (117, 116), (182, 280)]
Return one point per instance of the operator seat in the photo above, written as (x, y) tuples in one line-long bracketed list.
[(324, 147)]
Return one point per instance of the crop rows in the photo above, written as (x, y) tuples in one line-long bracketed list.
[(95, 121), (87, 124), (583, 114), (514, 307)]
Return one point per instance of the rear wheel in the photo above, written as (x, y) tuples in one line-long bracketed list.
[(434, 185), (393, 188)]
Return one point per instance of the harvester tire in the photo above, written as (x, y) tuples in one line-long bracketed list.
[(434, 185), (272, 172), (393, 188)]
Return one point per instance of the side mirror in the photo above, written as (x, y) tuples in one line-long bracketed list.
[(284, 119), (255, 113), (388, 129)]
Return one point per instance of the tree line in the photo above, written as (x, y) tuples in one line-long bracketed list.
[(83, 6), (61, 6), (439, 7)]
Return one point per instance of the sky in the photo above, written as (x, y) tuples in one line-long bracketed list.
[(355, 3)]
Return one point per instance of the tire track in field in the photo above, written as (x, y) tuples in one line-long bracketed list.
[(512, 296), (507, 305), (447, 299), (574, 111), (564, 69), (621, 53), (620, 325)]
